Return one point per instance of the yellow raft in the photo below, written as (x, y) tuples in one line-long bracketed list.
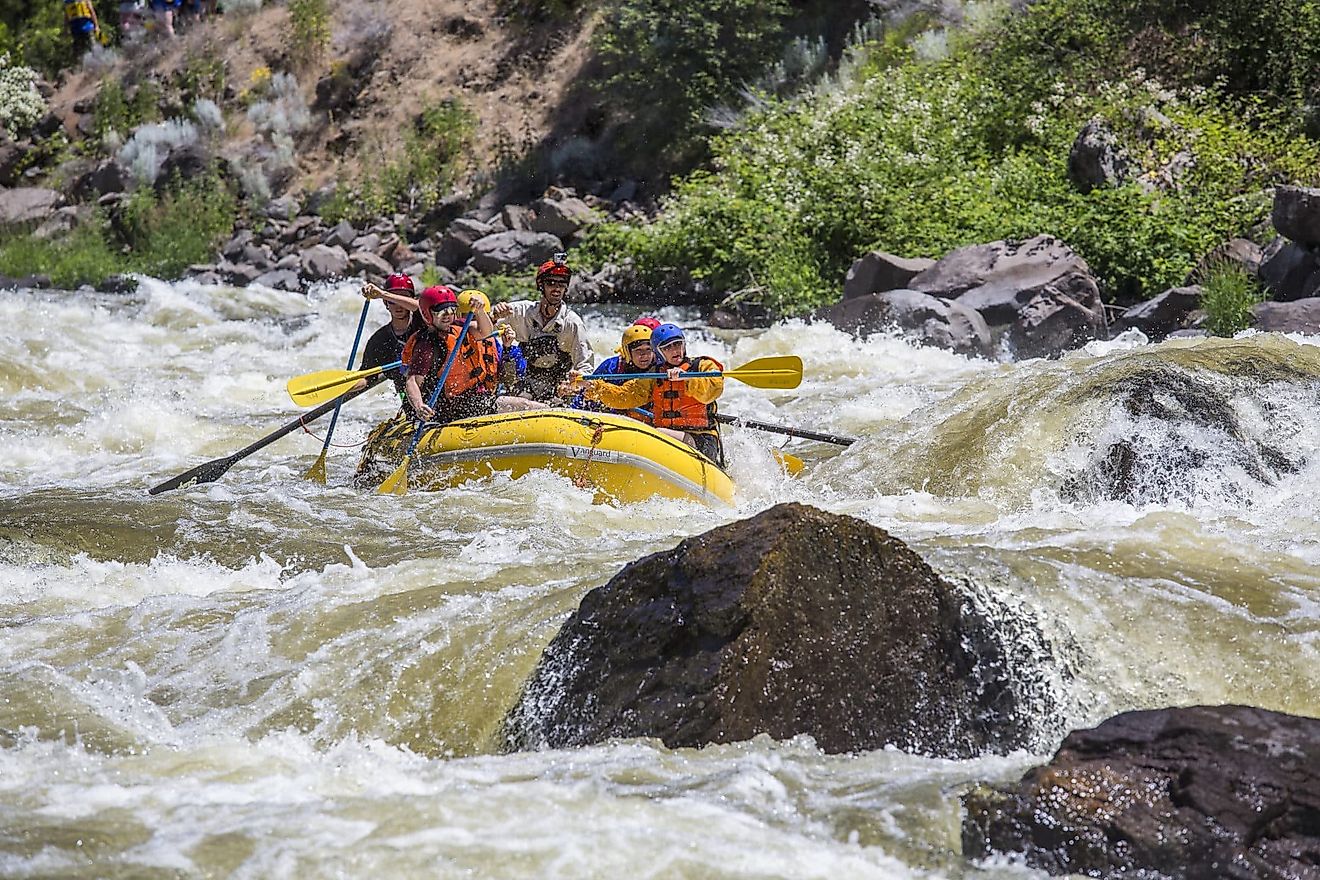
[(622, 459)]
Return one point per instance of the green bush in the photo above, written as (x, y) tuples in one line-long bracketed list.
[(416, 173), (85, 255), (918, 158), (1228, 294), (670, 61), (158, 235)]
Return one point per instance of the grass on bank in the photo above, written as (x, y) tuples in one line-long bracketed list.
[(919, 156), (1228, 293), (158, 235)]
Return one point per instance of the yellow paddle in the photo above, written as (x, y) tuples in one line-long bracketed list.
[(313, 388), (784, 371)]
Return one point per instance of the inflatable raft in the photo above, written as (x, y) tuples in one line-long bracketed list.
[(620, 458)]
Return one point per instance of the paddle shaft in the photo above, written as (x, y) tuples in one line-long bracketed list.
[(346, 378), (352, 355), (214, 470), (781, 429)]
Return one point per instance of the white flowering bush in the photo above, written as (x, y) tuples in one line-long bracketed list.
[(21, 105)]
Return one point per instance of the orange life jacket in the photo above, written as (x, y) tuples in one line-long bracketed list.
[(477, 363), (672, 407)]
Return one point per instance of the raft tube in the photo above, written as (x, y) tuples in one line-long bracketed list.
[(622, 459)]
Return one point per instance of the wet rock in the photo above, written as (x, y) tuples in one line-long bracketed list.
[(280, 279), (932, 321), (323, 261), (513, 251), (118, 284), (455, 247), (878, 271), (795, 621), (1096, 159), (1296, 213), (1187, 432), (1039, 290), (1161, 315), (1289, 270), (27, 205), (1298, 316), (1199, 792), (241, 274)]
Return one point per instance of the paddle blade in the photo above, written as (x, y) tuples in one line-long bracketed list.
[(316, 473), (323, 385), (397, 482), (203, 473), (791, 464), (784, 371)]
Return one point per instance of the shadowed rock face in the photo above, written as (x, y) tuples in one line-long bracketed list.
[(1222, 792), (792, 622)]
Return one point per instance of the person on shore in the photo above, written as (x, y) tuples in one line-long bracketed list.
[(682, 408), (552, 336), (84, 27), (386, 345), (469, 388), (164, 10)]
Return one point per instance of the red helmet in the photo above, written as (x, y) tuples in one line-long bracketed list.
[(400, 283), (648, 321), (436, 297), (556, 268)]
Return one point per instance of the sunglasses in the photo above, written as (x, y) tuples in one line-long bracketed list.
[(447, 310)]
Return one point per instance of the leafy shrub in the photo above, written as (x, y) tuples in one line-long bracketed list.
[(309, 22), (1228, 294), (118, 111), (183, 225), (679, 58), (21, 105), (85, 255), (920, 157), (158, 235), (418, 172)]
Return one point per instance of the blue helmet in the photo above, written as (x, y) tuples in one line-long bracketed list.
[(665, 334)]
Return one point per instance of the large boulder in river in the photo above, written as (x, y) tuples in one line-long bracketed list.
[(939, 322), (1299, 316), (795, 621), (1290, 270), (1039, 290), (1161, 315), (1296, 213), (1201, 792), (878, 271)]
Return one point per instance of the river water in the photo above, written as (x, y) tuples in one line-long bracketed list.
[(262, 677)]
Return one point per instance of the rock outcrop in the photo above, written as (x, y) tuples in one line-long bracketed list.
[(1039, 291), (792, 622), (1223, 792), (939, 322)]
